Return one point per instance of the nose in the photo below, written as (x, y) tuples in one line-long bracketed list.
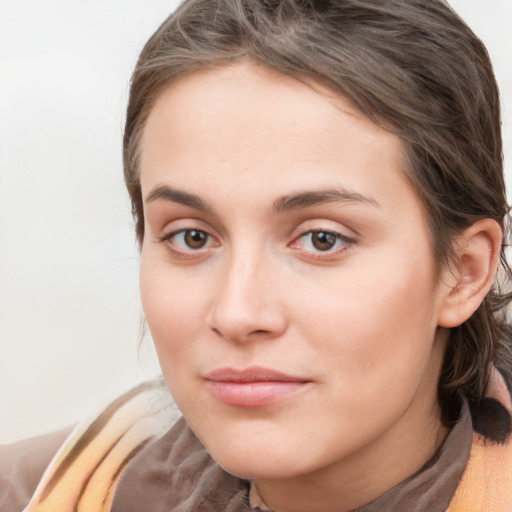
[(246, 304)]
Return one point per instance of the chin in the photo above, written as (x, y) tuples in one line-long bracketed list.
[(259, 470), (258, 463)]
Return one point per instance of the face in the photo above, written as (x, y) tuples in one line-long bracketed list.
[(286, 275)]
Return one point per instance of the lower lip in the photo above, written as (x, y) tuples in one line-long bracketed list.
[(253, 394)]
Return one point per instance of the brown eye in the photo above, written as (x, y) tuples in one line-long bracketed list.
[(320, 242), (195, 239), (189, 241), (323, 240)]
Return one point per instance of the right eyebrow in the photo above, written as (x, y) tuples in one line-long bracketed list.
[(166, 193)]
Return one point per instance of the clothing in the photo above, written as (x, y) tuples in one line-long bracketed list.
[(22, 465), (175, 472)]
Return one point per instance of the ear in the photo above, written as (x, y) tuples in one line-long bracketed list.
[(466, 283)]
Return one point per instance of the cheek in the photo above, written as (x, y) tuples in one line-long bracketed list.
[(172, 306), (172, 309), (375, 323)]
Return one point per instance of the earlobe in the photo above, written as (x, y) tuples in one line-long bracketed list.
[(470, 278)]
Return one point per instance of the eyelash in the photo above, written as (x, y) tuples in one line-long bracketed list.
[(340, 243), (185, 252)]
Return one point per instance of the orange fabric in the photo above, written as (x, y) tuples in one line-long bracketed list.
[(88, 484), (486, 485), (487, 482)]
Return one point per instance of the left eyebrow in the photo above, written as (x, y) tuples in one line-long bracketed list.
[(314, 197)]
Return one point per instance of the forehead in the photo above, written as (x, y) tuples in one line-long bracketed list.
[(212, 103), (248, 124)]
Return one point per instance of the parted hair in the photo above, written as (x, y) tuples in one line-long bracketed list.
[(411, 66)]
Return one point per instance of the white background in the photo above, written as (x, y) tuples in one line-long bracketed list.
[(69, 307)]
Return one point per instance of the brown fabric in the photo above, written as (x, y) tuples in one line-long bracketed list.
[(176, 474), (22, 465)]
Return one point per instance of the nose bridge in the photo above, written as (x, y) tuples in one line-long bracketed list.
[(246, 302)]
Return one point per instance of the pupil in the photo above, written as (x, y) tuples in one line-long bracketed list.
[(195, 239), (323, 241)]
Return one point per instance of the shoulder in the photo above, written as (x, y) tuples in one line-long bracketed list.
[(87, 466), (487, 480), (22, 465)]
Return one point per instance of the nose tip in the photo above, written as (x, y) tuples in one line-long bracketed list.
[(246, 307)]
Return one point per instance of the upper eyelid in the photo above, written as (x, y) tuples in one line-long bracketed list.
[(338, 231), (305, 227), (341, 236), (175, 232), (186, 223)]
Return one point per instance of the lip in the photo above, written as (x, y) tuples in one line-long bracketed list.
[(252, 387)]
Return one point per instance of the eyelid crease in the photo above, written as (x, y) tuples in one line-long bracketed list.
[(324, 225)]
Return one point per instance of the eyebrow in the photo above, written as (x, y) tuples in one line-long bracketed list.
[(163, 192), (283, 204), (312, 198)]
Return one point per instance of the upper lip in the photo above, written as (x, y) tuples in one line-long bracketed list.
[(251, 374)]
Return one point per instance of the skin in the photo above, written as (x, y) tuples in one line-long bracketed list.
[(358, 323)]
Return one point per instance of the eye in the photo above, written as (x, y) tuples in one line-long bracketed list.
[(188, 240), (321, 241)]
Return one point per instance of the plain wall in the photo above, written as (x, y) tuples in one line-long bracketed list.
[(69, 307)]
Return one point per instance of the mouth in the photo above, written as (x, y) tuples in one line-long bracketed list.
[(252, 387)]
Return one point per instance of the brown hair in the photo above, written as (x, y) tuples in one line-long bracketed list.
[(411, 66)]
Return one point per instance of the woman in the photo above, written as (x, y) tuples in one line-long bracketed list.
[(319, 199)]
